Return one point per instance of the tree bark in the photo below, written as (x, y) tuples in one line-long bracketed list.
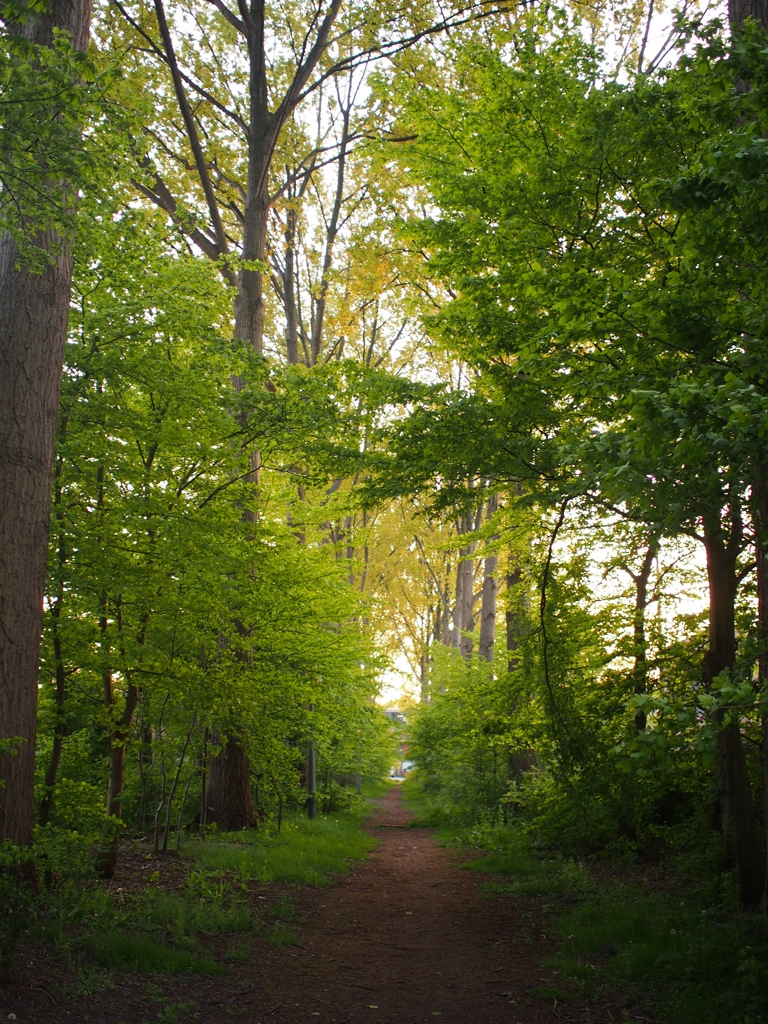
[(229, 787), (734, 791), (740, 10), (33, 328)]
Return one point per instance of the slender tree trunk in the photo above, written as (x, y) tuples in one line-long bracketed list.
[(204, 783), (311, 782), (146, 761), (60, 726), (734, 790), (332, 230), (463, 610), (760, 520), (513, 616), (490, 589), (640, 644), (120, 729), (289, 289)]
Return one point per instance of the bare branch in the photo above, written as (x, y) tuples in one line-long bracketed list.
[(233, 20), (191, 128)]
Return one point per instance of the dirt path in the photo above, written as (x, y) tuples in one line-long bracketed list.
[(406, 938)]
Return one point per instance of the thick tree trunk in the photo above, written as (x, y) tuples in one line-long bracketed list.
[(229, 787), (33, 328), (734, 791), (249, 301), (740, 10)]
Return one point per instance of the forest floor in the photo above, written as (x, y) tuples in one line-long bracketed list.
[(407, 937)]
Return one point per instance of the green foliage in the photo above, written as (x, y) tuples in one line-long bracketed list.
[(48, 95), (598, 243), (154, 569)]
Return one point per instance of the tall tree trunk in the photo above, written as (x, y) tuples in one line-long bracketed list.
[(760, 520), (734, 791), (513, 615), (640, 644), (33, 329), (490, 589), (249, 301), (229, 787), (60, 725), (331, 232), (289, 289), (463, 611)]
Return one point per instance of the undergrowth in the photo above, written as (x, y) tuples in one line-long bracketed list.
[(157, 929), (674, 942)]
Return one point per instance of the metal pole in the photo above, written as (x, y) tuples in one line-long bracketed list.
[(311, 782)]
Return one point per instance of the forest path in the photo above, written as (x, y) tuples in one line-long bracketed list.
[(406, 938)]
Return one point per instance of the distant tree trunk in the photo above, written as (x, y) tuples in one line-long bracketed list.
[(640, 645), (229, 787), (60, 726), (760, 520), (120, 723), (513, 616), (488, 598), (734, 791), (311, 782), (33, 329), (464, 608)]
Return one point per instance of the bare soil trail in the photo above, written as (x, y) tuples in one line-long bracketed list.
[(405, 937)]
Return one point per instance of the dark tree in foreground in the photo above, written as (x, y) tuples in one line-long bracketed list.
[(33, 325)]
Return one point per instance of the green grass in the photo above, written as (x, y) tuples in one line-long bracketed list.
[(304, 852), (421, 805), (117, 950), (689, 963), (700, 966), (380, 787)]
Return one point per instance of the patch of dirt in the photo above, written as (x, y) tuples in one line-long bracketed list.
[(405, 938)]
